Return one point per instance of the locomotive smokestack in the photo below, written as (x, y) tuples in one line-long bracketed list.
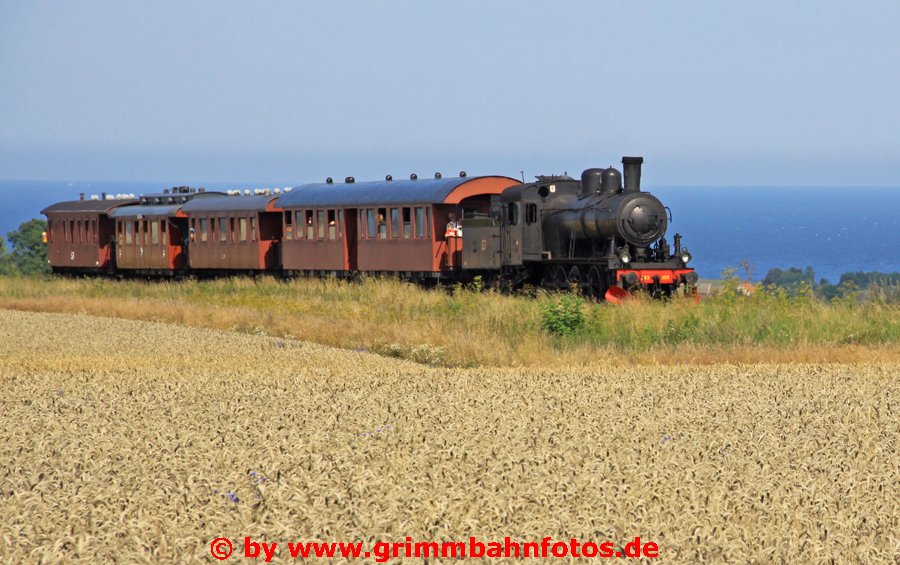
[(631, 166)]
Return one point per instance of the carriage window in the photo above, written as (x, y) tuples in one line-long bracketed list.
[(420, 222), (78, 229), (223, 229), (512, 214), (154, 232), (252, 229), (395, 223), (203, 235), (288, 226), (340, 224), (428, 231), (530, 213), (382, 223), (332, 225), (310, 232), (129, 230), (243, 224), (165, 224), (370, 213), (232, 234), (407, 223), (320, 218)]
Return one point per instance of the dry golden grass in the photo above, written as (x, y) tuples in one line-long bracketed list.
[(469, 329), (119, 440)]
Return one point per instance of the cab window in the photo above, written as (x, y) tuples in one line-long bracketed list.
[(530, 213), (512, 213)]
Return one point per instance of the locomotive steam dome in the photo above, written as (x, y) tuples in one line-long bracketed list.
[(642, 219)]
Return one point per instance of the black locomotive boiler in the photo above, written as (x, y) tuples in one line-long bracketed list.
[(597, 234)]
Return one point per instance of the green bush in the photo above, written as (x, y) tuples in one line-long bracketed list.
[(563, 316)]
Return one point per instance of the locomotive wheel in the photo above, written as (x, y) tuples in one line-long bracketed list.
[(560, 277), (596, 288), (574, 275)]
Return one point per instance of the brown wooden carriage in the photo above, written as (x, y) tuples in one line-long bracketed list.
[(80, 234), (390, 226), (151, 234), (233, 232)]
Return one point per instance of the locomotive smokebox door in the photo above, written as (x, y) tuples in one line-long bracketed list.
[(481, 244)]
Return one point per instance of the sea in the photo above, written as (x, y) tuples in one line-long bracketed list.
[(834, 230)]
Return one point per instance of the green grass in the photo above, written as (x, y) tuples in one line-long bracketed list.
[(466, 327)]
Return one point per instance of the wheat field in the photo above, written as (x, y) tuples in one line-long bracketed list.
[(136, 441)]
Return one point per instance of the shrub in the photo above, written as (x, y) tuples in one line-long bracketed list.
[(563, 316)]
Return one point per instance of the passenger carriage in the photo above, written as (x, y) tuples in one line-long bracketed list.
[(233, 233), (381, 227), (151, 235), (80, 234)]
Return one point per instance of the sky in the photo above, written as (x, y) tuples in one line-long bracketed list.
[(711, 93)]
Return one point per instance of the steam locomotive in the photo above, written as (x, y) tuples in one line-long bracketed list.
[(595, 234), (598, 235)]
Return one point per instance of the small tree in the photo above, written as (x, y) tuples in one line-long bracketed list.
[(29, 250), (7, 266)]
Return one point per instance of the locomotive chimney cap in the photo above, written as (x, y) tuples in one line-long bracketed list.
[(632, 160)]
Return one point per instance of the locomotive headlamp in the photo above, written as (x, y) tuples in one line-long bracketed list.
[(625, 257), (685, 256)]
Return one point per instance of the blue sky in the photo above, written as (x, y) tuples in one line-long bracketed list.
[(710, 93)]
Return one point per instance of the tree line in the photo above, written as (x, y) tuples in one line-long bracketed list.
[(796, 279), (26, 253)]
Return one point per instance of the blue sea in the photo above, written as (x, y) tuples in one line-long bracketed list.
[(833, 230)]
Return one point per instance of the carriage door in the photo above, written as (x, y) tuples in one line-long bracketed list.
[(179, 241), (512, 233), (351, 237)]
